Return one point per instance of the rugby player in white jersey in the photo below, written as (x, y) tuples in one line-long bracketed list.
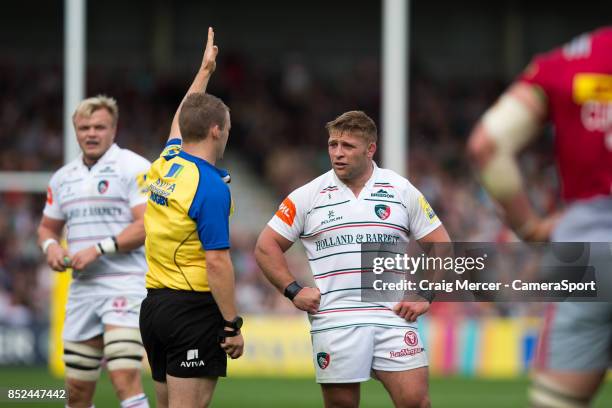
[(356, 202), (100, 198)]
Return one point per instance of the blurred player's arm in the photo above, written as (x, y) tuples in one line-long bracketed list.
[(49, 235), (220, 273), (132, 237), (201, 79), (270, 255), (494, 145)]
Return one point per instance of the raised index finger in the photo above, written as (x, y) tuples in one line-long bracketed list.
[(211, 37)]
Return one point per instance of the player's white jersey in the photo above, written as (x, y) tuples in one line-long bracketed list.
[(95, 204), (332, 224)]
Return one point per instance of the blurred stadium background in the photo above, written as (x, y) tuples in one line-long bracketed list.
[(284, 69)]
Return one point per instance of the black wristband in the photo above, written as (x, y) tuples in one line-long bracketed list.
[(428, 295), (292, 290)]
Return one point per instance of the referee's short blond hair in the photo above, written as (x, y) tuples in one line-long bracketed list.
[(88, 106), (356, 123)]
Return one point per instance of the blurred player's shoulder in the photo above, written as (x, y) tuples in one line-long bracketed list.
[(130, 160), (68, 169)]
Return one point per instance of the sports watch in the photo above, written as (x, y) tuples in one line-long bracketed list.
[(234, 324)]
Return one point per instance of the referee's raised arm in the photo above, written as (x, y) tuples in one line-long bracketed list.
[(209, 63)]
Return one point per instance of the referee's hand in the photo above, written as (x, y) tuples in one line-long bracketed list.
[(308, 300), (233, 346)]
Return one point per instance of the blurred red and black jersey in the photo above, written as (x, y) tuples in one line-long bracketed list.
[(577, 80)]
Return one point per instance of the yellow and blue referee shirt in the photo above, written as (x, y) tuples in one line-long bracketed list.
[(187, 214)]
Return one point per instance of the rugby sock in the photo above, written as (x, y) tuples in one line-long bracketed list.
[(137, 401)]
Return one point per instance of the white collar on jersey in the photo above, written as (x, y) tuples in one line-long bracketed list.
[(368, 185), (110, 154)]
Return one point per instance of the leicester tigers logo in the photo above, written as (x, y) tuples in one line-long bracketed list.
[(382, 211), (323, 360), (102, 186)]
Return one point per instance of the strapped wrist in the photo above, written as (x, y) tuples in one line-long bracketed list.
[(107, 246), (47, 243)]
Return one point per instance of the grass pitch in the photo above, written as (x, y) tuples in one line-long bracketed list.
[(447, 392)]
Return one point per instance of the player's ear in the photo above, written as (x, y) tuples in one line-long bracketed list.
[(214, 131), (371, 149)]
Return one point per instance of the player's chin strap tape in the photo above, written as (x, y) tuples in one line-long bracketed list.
[(123, 349), (545, 393), (82, 361)]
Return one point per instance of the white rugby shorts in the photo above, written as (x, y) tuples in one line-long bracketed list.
[(87, 316), (348, 355)]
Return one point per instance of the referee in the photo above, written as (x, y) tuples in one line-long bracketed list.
[(188, 320)]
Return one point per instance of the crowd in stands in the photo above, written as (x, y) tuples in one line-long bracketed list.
[(278, 126)]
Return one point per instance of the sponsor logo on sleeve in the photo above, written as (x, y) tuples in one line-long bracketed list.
[(323, 360), (286, 212), (175, 170), (49, 196), (141, 182), (171, 151), (429, 212)]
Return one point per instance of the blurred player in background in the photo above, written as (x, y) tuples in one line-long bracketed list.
[(570, 87), (100, 198), (189, 320), (355, 202)]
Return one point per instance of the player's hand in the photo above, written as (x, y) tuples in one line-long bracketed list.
[(308, 300), (57, 257), (84, 257), (540, 229), (409, 311), (209, 61), (233, 346)]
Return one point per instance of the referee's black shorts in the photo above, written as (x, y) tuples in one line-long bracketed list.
[(180, 334)]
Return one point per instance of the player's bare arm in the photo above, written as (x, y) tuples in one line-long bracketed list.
[(132, 237), (221, 280), (269, 253), (505, 129), (410, 310), (209, 63), (49, 232)]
